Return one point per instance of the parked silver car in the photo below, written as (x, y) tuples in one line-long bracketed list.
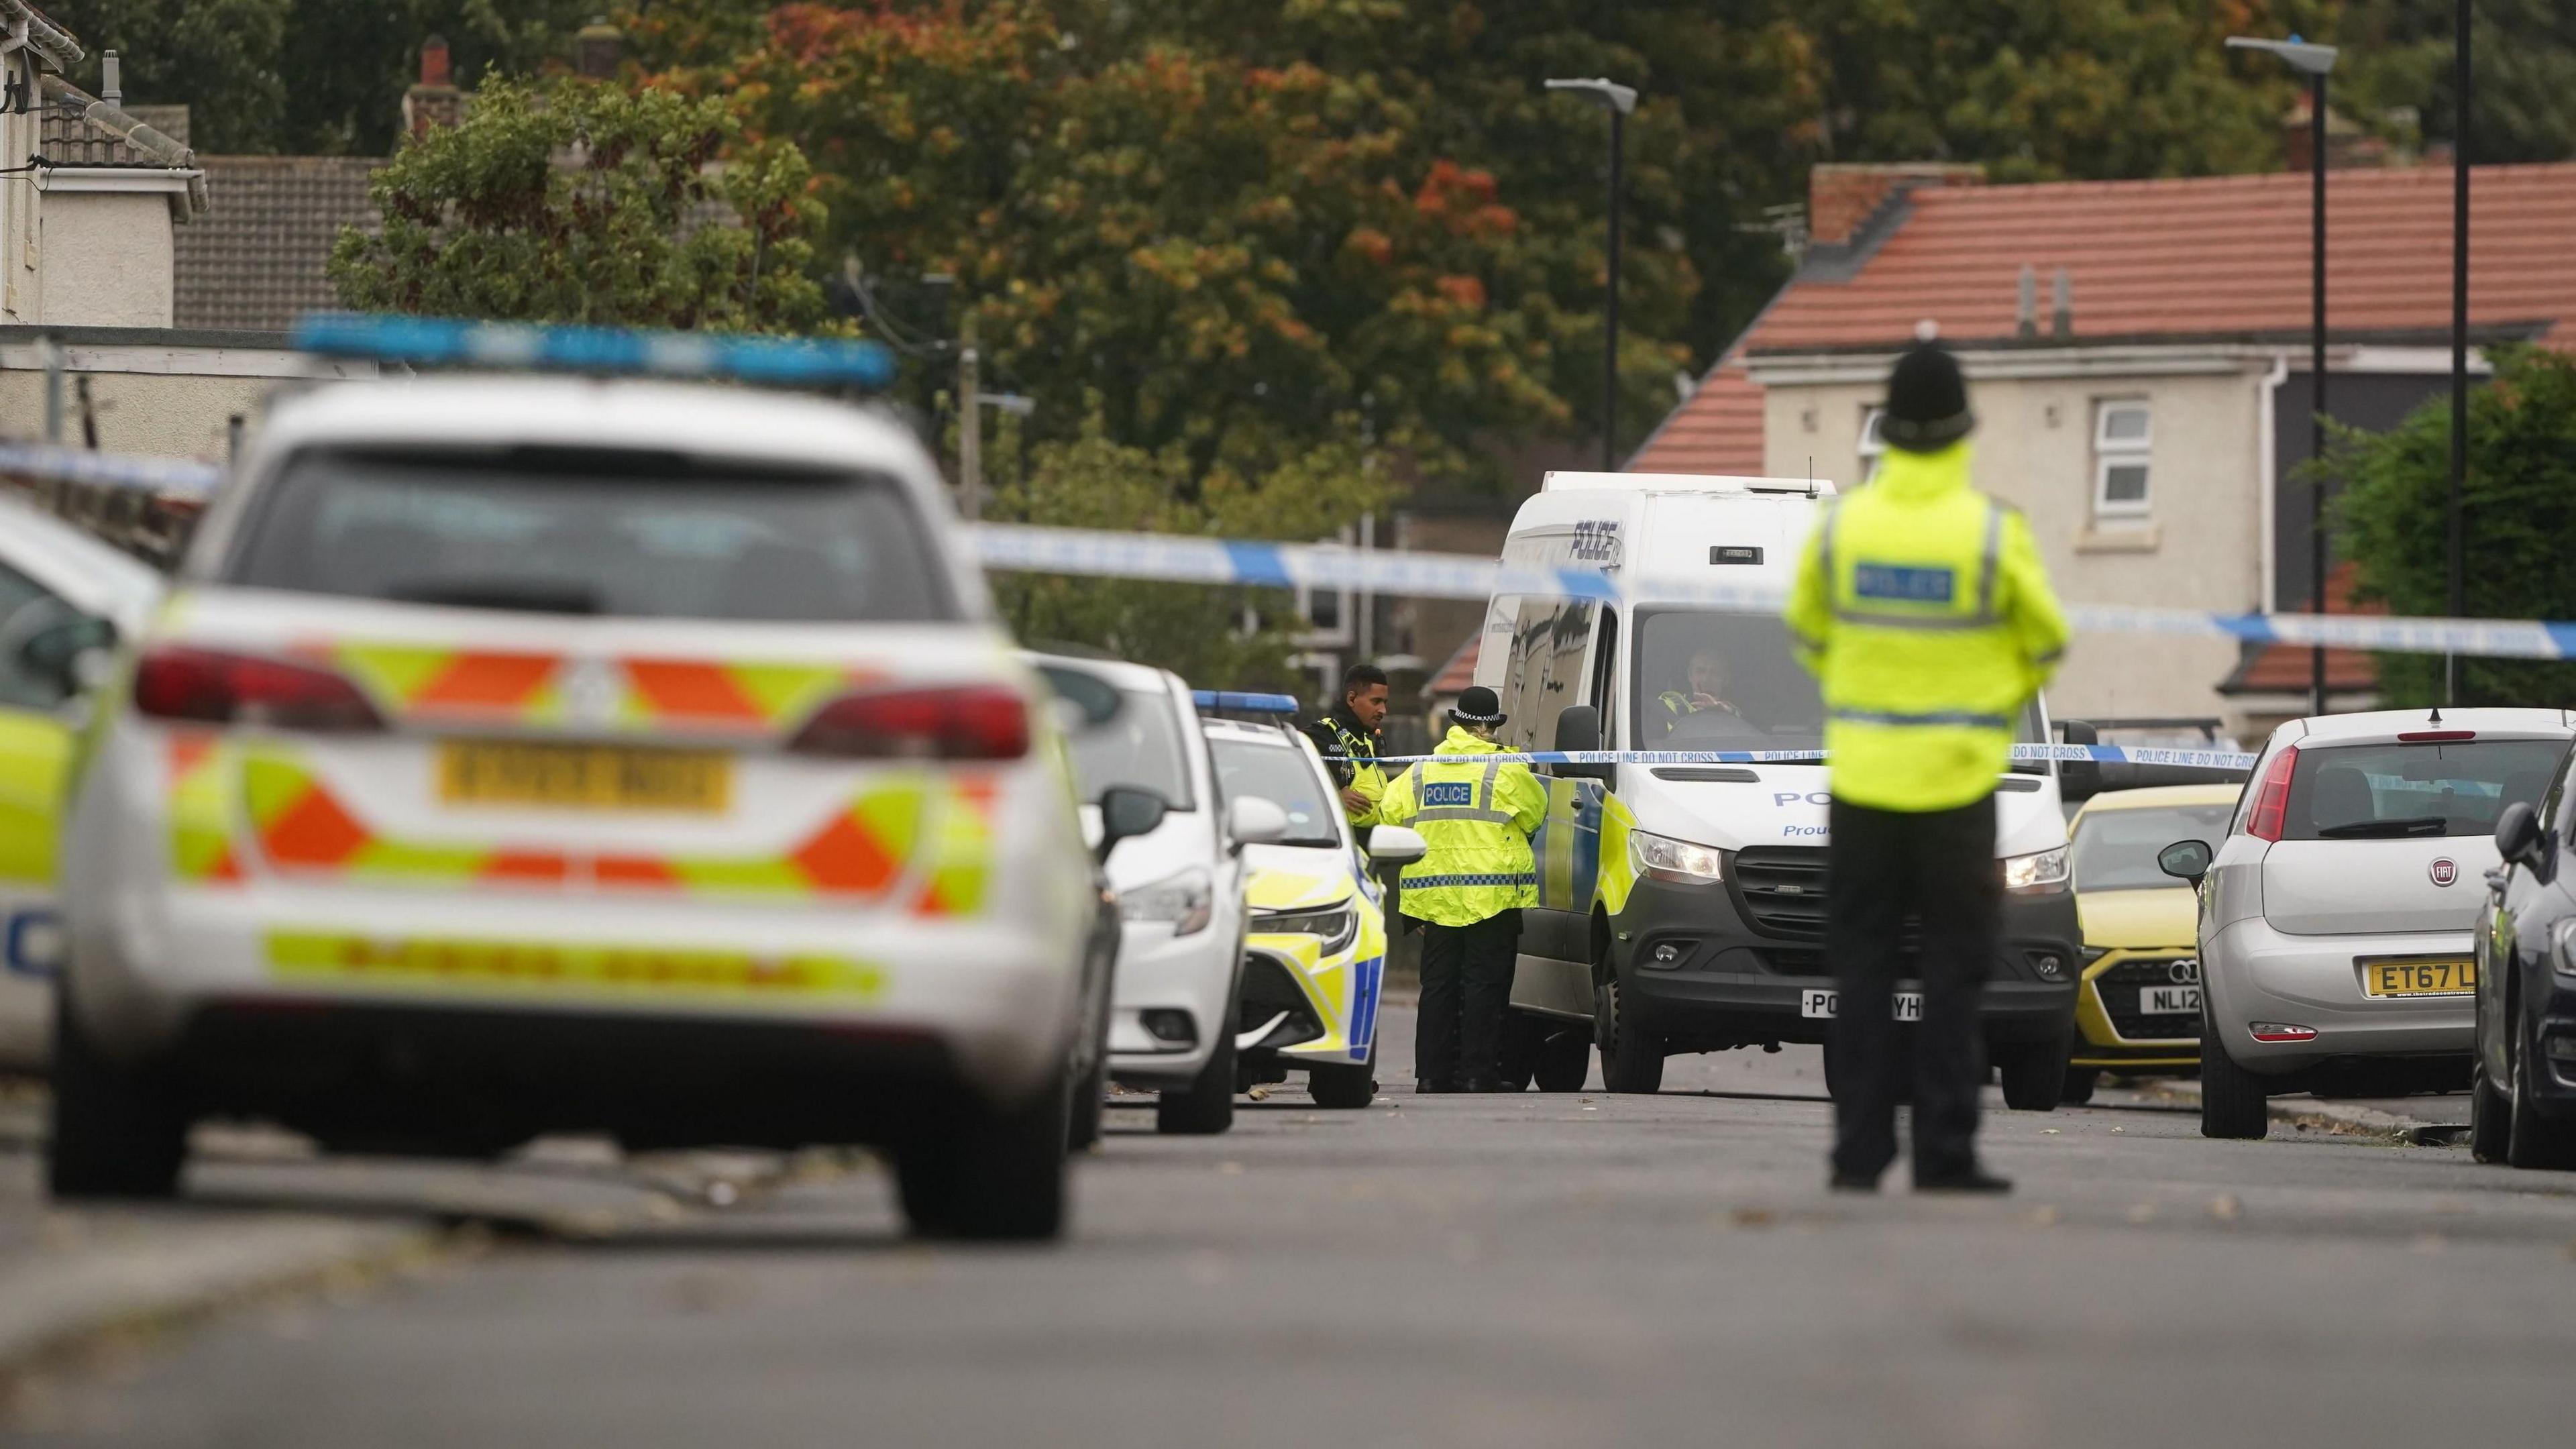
[(2335, 916)]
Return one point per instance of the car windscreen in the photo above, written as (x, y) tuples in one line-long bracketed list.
[(2115, 850), (584, 531), (2391, 791), (1139, 746), (1282, 775)]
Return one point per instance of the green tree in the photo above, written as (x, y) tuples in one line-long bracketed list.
[(2391, 521), (583, 202)]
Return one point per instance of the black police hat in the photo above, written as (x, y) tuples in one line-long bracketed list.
[(1478, 706), (1927, 401)]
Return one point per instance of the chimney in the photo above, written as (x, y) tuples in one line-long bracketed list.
[(435, 101), (2026, 304), (1841, 198), (111, 80), (2061, 321), (597, 48)]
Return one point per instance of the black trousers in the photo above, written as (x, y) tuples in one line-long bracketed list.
[(1466, 988), (1939, 867)]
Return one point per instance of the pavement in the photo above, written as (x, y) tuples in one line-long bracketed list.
[(1453, 1271)]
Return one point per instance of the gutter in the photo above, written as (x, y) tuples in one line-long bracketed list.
[(131, 130)]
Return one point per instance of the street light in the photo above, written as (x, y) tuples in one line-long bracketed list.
[(1618, 100), (2314, 62), (2455, 541)]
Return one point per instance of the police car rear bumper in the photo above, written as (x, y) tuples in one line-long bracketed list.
[(1691, 970)]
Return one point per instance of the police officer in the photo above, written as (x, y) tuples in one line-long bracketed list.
[(1923, 610), (1476, 815), (1349, 729), (1707, 680)]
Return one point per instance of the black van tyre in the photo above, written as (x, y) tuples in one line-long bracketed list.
[(1206, 1106), (117, 1133), (2080, 1082), (994, 1174), (1632, 1061), (2033, 1073), (2233, 1101), (1565, 1059), (2490, 1116), (2533, 1140), (1342, 1086)]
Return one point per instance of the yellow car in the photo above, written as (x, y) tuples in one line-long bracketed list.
[(2138, 1011)]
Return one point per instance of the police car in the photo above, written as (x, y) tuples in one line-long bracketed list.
[(65, 599), (1314, 960), (524, 753)]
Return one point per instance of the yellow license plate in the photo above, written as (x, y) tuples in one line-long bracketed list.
[(2419, 978), (584, 777)]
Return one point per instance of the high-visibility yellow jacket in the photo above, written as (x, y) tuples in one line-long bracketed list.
[(1923, 609), (1477, 816), (1366, 776)]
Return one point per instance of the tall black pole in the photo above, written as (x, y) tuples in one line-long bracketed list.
[(2457, 556), (2317, 389), (1610, 311)]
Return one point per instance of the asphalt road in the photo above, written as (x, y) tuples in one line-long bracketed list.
[(1487, 1272)]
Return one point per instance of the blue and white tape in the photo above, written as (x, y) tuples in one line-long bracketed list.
[(2027, 754), (184, 477)]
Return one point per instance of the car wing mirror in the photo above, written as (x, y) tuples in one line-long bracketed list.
[(1252, 820), (2186, 860), (2518, 834), (1127, 811), (1391, 846)]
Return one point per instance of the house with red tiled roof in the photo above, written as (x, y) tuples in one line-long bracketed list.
[(2138, 353)]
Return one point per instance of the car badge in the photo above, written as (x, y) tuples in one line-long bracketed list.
[(591, 691), (2444, 871), (2182, 971)]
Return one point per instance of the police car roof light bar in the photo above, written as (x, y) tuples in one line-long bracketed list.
[(1212, 699), (458, 342)]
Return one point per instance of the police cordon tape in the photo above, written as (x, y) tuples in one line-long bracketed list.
[(1181, 558), (2026, 754)]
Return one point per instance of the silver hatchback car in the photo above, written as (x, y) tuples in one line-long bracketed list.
[(2335, 916)]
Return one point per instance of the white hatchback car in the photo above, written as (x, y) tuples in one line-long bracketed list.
[(521, 754), (2335, 918)]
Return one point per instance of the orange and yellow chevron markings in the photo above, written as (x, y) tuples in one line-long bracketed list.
[(442, 963), (492, 686), (200, 815)]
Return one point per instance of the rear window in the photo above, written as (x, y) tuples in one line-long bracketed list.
[(2383, 792), (1139, 747), (611, 532)]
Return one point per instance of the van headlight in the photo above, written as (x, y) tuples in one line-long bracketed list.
[(1677, 861), (1337, 925), (1186, 900), (2037, 874)]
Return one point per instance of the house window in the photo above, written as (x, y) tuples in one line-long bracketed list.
[(2121, 434), (1872, 446)]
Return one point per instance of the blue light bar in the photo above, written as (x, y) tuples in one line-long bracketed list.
[(455, 342), (1241, 703)]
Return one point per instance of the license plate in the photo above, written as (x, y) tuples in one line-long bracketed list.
[(1822, 1004), (584, 777), (2168, 1000), (2419, 978)]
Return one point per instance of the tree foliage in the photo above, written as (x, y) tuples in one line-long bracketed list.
[(2392, 522), (582, 202)]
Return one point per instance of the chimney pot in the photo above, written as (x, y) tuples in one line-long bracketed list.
[(2062, 323), (2026, 305), (433, 61), (111, 79)]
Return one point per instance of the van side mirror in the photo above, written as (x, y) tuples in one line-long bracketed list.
[(2185, 860), (2518, 836), (2079, 779), (1126, 811), (1578, 727)]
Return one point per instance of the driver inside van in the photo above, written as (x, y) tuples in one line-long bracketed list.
[(1705, 689)]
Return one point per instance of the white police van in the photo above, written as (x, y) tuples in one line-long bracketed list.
[(1682, 905)]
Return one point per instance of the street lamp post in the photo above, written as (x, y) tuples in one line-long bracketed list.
[(2314, 62), (2456, 540), (1618, 100)]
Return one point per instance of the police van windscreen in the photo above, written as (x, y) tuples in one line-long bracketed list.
[(2115, 850), (1720, 681), (1282, 775), (1139, 747), (592, 531)]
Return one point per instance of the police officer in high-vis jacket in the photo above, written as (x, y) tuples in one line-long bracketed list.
[(1347, 735), (1476, 815), (1923, 610)]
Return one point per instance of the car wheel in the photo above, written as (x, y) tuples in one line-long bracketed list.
[(1090, 1101), (1524, 1037), (1342, 1086), (117, 1133), (993, 1174), (2533, 1140), (2490, 1116), (2034, 1075), (1632, 1061), (1206, 1106), (1565, 1059), (2080, 1082), (2233, 1101)]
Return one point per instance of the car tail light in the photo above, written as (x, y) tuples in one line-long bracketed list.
[(2272, 797), (2435, 737), (2279, 1031), (974, 722), (213, 687)]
